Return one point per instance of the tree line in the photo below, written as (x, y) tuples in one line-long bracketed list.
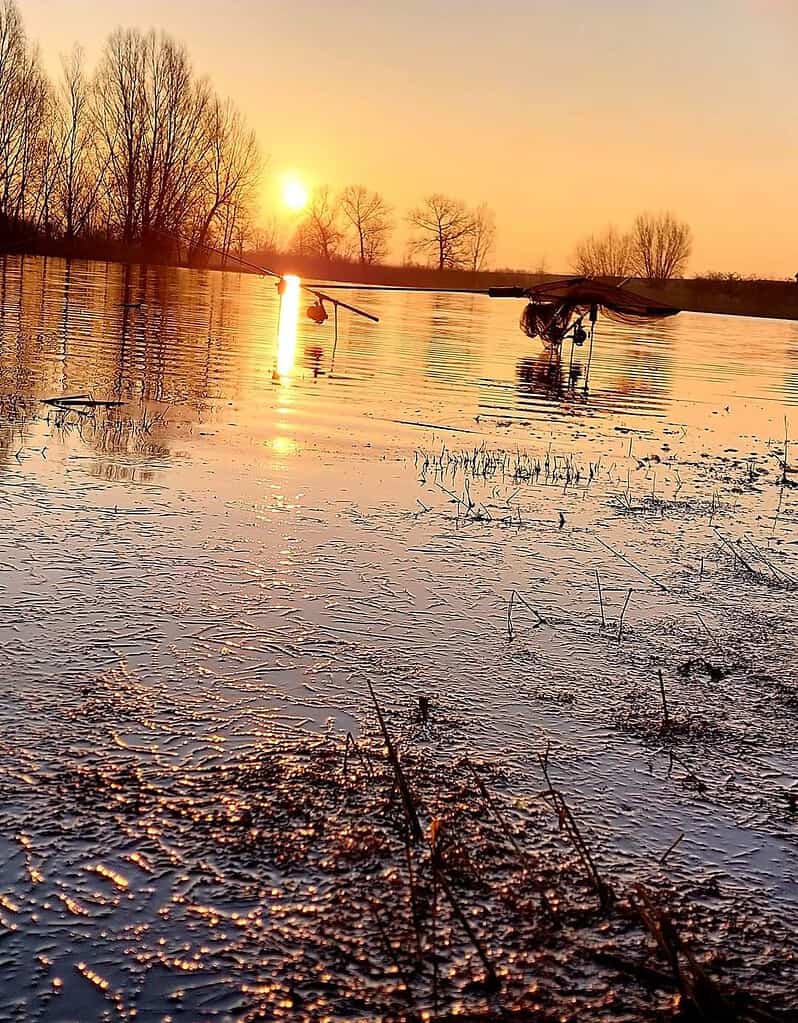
[(657, 247), (357, 225), (141, 151)]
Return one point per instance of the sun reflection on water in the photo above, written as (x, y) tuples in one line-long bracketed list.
[(286, 331)]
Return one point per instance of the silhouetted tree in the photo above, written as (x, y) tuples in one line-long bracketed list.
[(224, 190), (481, 237), (369, 220), (320, 233), (660, 246), (120, 121), (608, 254), (26, 137), (80, 173), (179, 161), (442, 231)]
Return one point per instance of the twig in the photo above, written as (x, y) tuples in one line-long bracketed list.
[(776, 571), (694, 983), (666, 718), (709, 633), (623, 613), (670, 849), (601, 600), (492, 981), (528, 606), (491, 804), (734, 552), (390, 950), (401, 780), (569, 825), (631, 564)]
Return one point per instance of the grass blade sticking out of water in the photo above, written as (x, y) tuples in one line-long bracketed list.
[(401, 781)]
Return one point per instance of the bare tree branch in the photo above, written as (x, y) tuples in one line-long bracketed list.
[(660, 246), (442, 230), (608, 254), (369, 222)]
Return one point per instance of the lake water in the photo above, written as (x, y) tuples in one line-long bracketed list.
[(271, 518)]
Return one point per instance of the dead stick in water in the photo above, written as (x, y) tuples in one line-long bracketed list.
[(670, 849), (569, 825), (413, 896), (786, 450), (523, 856), (776, 571), (623, 614), (490, 803), (666, 718), (709, 633), (401, 780), (510, 633), (734, 552), (631, 564), (386, 941), (492, 981), (528, 606), (601, 600)]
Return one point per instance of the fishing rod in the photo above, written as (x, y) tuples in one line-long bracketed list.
[(320, 314)]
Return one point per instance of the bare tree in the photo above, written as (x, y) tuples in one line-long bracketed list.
[(181, 163), (442, 230), (608, 254), (80, 174), (660, 246), (232, 167), (26, 156), (120, 120), (176, 143), (144, 152), (266, 236), (481, 237), (319, 233), (369, 219)]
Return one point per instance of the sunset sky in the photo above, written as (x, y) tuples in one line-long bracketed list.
[(563, 116)]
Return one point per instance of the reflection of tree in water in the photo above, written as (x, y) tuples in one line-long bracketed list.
[(636, 366), (791, 377), (454, 333), (143, 335)]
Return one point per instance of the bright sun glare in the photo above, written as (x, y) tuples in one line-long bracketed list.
[(295, 194)]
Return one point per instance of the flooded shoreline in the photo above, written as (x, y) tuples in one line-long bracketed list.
[(207, 578)]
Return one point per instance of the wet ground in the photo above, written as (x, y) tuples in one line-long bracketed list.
[(199, 585)]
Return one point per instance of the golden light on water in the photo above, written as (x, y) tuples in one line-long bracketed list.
[(286, 331), (295, 194)]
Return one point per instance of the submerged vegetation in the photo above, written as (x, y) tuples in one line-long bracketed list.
[(389, 882)]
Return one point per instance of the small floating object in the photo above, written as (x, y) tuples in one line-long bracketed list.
[(80, 401), (133, 305)]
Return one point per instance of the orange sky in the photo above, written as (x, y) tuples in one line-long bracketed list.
[(563, 116)]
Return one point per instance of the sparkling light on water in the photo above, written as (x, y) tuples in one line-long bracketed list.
[(286, 332)]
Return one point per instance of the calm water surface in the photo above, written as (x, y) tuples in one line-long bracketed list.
[(270, 519), (203, 339)]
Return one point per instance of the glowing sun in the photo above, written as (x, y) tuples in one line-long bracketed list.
[(295, 194)]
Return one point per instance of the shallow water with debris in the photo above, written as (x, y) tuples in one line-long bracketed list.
[(199, 585)]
